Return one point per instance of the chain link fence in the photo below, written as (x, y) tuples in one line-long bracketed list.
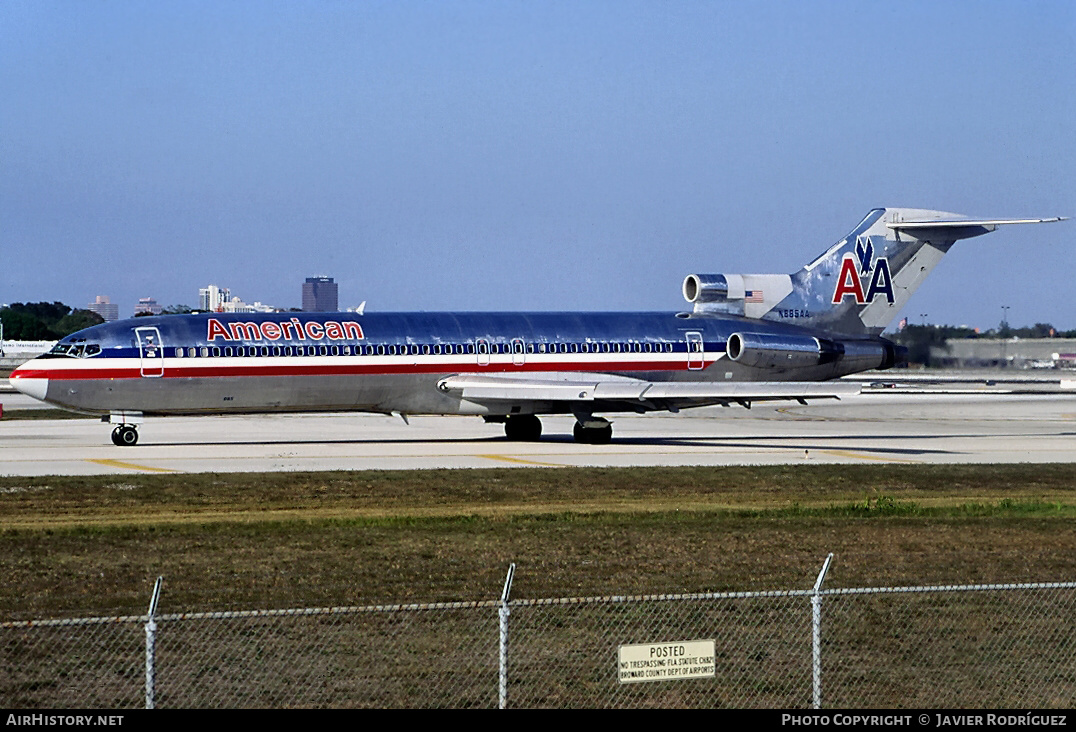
[(1000, 646)]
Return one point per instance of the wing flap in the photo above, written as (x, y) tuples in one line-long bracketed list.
[(603, 387)]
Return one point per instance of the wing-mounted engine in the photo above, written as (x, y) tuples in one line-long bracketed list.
[(749, 295)]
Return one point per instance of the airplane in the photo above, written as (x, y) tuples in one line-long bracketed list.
[(747, 338)]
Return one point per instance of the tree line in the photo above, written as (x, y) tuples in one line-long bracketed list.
[(44, 321)]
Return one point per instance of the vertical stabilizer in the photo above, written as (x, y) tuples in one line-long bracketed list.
[(859, 284)]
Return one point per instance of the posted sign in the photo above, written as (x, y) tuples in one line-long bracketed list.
[(665, 661)]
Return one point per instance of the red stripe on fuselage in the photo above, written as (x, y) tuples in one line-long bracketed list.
[(172, 371)]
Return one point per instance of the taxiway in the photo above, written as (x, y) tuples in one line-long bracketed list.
[(873, 427)]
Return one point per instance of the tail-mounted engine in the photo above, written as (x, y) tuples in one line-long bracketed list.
[(748, 295), (780, 352)]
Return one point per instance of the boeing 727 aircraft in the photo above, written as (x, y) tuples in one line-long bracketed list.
[(748, 338)]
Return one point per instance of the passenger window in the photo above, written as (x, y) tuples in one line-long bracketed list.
[(180, 353), (216, 351), (192, 351), (203, 352)]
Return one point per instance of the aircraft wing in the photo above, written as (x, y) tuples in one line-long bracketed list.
[(587, 387)]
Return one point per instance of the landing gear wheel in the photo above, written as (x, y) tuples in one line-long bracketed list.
[(523, 428), (125, 435), (593, 435)]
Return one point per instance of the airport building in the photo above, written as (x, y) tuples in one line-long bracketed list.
[(1018, 353), (105, 308), (319, 295)]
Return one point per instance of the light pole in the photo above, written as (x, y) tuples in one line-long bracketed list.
[(1004, 334)]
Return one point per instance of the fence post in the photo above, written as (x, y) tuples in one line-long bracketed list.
[(816, 634), (502, 612), (151, 640)]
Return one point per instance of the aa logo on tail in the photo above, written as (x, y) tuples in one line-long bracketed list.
[(857, 268)]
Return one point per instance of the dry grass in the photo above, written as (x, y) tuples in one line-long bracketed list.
[(77, 545)]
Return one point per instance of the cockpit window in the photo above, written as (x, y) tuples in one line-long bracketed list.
[(77, 348)]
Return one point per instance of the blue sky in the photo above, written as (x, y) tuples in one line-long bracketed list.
[(526, 155)]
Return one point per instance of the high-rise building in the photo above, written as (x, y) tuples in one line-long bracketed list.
[(319, 295), (105, 308), (211, 299), (147, 306)]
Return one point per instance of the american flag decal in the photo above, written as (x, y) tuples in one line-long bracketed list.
[(752, 296)]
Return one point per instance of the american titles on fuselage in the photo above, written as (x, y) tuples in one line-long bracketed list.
[(294, 329)]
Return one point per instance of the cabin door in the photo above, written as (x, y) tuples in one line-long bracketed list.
[(694, 350), (151, 351)]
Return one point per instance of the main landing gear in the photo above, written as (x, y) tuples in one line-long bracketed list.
[(125, 435), (528, 428), (593, 431), (523, 428)]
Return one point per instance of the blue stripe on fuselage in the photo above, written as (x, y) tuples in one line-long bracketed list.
[(117, 339)]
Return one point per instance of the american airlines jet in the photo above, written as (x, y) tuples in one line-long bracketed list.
[(747, 338)]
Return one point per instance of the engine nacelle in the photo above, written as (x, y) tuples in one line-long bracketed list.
[(875, 354), (769, 351), (766, 351), (709, 288), (751, 295)]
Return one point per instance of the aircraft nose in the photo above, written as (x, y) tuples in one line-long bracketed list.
[(28, 384)]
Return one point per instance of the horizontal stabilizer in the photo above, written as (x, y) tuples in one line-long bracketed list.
[(969, 222), (953, 229)]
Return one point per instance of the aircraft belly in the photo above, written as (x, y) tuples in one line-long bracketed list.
[(412, 394)]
